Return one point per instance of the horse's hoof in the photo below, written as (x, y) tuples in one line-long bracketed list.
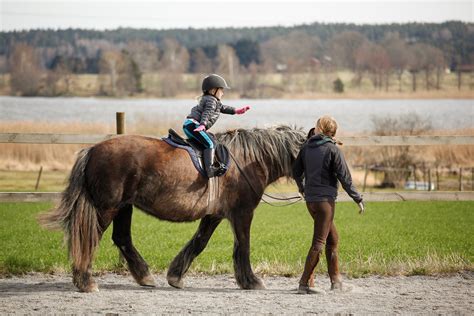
[(175, 282), (338, 287), (259, 285), (91, 288), (304, 289), (147, 281), (256, 285)]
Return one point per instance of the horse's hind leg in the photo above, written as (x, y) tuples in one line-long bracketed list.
[(82, 279), (123, 240), (82, 259), (244, 275), (193, 248)]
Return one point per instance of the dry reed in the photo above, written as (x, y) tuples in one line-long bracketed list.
[(62, 156)]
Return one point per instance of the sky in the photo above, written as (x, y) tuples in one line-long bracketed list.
[(161, 14)]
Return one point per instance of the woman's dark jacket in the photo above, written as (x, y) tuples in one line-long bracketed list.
[(321, 163), (208, 110)]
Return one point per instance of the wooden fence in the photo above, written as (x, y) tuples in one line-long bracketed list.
[(41, 138), (32, 138), (368, 196)]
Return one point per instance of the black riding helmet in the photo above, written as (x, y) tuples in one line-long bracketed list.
[(213, 81)]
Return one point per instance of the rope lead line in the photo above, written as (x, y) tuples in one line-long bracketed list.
[(267, 195)]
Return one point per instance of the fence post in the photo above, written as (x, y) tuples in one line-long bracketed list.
[(120, 127), (414, 176), (120, 122), (365, 177), (460, 179), (424, 173), (437, 178), (39, 178), (429, 179), (472, 179)]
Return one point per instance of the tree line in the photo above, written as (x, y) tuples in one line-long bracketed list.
[(38, 59)]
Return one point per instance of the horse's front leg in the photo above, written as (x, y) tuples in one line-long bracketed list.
[(244, 275), (193, 248)]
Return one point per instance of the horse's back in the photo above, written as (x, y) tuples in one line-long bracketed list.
[(146, 172)]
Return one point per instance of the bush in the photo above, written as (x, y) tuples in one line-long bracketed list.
[(338, 86)]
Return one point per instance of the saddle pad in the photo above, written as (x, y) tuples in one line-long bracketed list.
[(194, 158), (222, 153)]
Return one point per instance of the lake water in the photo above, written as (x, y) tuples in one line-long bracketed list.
[(352, 115)]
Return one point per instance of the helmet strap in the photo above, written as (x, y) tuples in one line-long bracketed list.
[(215, 93)]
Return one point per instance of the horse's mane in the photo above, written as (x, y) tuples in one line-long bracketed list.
[(274, 148)]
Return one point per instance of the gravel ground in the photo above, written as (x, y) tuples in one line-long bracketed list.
[(119, 294)]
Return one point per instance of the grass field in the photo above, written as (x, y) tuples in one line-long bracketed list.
[(391, 238)]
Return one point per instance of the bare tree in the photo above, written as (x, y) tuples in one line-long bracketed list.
[(92, 48), (121, 71), (130, 78), (3, 64), (59, 77), (374, 59), (343, 46), (426, 58), (109, 65), (417, 62), (200, 63), (228, 64), (174, 62), (398, 52), (145, 54), (435, 62), (25, 70), (295, 50), (395, 161), (175, 57)]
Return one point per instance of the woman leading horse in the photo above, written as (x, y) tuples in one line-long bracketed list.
[(111, 177), (321, 165)]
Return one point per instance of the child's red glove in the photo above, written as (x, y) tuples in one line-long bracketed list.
[(200, 128), (242, 110)]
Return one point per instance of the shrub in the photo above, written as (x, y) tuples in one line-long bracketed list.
[(338, 86)]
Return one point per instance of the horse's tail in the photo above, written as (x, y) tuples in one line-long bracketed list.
[(76, 216)]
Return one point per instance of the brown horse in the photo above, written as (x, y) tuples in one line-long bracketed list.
[(111, 177)]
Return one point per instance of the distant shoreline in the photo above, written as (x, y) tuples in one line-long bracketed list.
[(269, 86), (437, 95)]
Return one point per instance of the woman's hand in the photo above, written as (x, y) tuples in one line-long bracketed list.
[(361, 207), (200, 128), (242, 110)]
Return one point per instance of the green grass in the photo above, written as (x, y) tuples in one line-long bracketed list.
[(391, 238)]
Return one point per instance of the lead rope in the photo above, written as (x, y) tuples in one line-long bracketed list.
[(267, 195)]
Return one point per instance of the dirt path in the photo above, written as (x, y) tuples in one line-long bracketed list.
[(40, 294)]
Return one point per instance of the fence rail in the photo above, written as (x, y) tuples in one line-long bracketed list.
[(38, 138), (44, 138), (368, 196)]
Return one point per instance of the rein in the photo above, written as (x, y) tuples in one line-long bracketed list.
[(265, 194)]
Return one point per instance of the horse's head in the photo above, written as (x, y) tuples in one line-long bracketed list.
[(274, 149)]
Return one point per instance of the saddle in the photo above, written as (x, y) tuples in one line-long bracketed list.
[(194, 148)]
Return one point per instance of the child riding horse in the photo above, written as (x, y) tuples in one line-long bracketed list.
[(205, 114)]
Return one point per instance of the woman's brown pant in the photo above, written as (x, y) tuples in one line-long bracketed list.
[(325, 233)]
